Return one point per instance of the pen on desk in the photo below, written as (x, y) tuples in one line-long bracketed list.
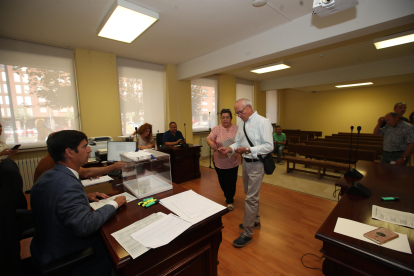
[(151, 203)]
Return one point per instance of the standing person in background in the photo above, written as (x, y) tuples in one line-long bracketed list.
[(145, 139), (4, 151), (398, 139), (400, 109), (226, 168), (411, 118), (280, 141), (259, 130)]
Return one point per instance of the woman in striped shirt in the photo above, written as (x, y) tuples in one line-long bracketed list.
[(226, 167)]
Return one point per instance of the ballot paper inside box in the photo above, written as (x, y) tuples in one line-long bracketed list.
[(146, 172)]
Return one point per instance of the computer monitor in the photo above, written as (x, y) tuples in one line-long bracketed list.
[(116, 148)]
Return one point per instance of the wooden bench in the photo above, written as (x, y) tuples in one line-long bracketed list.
[(326, 154), (302, 137), (315, 133), (354, 136), (377, 148)]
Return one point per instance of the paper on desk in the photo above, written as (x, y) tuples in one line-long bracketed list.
[(191, 196), (162, 231), (229, 142), (102, 202), (123, 236), (393, 216), (141, 154), (357, 230), (94, 181)]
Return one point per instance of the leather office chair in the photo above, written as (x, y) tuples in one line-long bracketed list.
[(159, 139), (10, 231)]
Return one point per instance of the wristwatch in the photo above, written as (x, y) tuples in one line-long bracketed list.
[(248, 150)]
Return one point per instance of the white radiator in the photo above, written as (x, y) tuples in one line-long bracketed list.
[(27, 166), (205, 149)]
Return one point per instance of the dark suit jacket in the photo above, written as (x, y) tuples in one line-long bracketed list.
[(63, 219)]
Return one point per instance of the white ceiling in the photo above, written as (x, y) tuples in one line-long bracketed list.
[(190, 32), (187, 28)]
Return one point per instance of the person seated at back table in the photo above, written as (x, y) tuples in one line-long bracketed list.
[(63, 220), (173, 136), (280, 142)]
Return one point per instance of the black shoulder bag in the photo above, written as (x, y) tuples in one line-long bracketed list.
[(268, 162)]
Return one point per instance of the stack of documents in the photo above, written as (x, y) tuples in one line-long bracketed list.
[(123, 236), (191, 206), (393, 216), (102, 202), (101, 179)]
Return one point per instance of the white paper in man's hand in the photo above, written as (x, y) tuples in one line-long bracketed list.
[(227, 143)]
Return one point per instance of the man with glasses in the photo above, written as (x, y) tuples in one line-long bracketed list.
[(259, 130)]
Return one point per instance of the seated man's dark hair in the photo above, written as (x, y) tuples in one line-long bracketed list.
[(172, 123), (60, 141)]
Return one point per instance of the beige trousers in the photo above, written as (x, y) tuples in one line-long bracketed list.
[(253, 173)]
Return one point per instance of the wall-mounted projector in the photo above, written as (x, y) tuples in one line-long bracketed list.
[(327, 7)]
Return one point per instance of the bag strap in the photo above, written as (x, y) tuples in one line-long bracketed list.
[(250, 142)]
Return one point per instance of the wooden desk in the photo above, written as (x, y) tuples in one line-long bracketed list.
[(194, 252), (185, 162), (348, 256)]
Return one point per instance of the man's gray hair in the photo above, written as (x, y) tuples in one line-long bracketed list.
[(395, 114), (245, 102), (403, 103)]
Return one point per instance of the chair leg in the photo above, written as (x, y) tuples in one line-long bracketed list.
[(319, 172)]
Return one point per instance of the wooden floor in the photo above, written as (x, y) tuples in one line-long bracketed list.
[(289, 222)]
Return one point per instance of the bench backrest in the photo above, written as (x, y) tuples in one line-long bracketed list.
[(315, 133), (302, 137), (378, 149), (360, 136), (346, 140), (332, 153)]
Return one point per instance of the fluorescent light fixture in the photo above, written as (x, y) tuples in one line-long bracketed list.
[(125, 21), (394, 40), (355, 84), (270, 67)]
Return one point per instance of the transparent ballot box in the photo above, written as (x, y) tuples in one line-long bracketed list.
[(146, 172)]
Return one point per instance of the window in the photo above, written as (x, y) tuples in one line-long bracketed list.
[(1, 100), (16, 77), (46, 71), (271, 106), (19, 100), (202, 102), (141, 95), (244, 89)]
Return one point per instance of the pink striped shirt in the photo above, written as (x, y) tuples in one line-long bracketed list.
[(218, 135)]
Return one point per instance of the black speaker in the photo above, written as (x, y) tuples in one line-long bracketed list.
[(359, 189), (354, 174)]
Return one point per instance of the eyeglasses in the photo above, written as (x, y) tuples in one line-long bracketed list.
[(238, 113)]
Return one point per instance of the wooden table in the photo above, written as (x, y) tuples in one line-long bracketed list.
[(348, 256), (185, 162), (194, 252)]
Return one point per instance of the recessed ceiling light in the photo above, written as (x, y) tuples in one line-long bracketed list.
[(270, 67), (394, 40), (355, 84), (126, 21)]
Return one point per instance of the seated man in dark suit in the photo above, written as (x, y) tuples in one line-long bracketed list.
[(63, 220), (173, 136)]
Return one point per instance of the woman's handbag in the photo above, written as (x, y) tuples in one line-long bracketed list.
[(268, 162)]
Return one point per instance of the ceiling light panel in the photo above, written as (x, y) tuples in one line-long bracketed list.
[(270, 68), (394, 40), (356, 84), (126, 21)]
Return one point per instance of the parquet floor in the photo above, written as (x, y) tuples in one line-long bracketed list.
[(289, 220)]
